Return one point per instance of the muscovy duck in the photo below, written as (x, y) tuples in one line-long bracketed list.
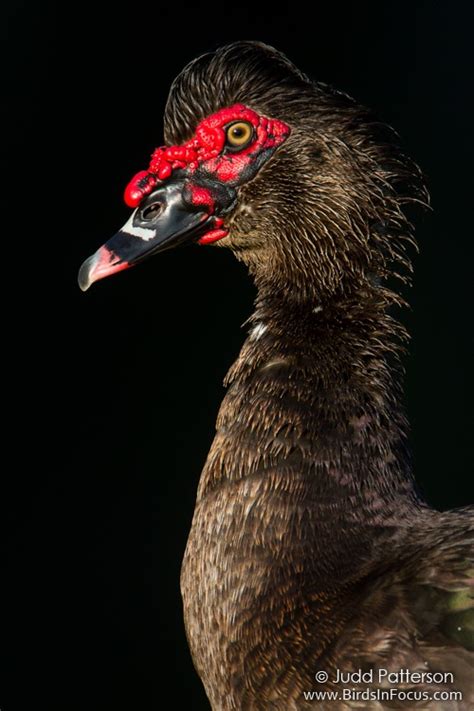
[(313, 565)]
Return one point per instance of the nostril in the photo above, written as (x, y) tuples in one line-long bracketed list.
[(152, 211)]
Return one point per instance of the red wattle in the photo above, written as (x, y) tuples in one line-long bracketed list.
[(140, 185), (201, 196), (213, 236), (208, 147)]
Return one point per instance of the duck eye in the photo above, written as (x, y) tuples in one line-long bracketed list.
[(239, 134)]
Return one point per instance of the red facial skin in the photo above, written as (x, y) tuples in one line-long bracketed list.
[(206, 153)]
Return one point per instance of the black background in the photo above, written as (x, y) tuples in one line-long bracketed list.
[(115, 391)]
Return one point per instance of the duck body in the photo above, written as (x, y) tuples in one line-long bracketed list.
[(311, 550)]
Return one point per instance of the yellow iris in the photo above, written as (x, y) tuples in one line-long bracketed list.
[(239, 134)]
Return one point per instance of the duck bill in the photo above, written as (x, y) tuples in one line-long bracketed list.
[(162, 221)]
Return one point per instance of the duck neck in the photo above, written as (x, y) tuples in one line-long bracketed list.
[(311, 432)]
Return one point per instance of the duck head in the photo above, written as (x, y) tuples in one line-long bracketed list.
[(290, 174), (189, 188)]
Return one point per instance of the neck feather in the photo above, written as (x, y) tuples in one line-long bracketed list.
[(306, 487), (312, 417)]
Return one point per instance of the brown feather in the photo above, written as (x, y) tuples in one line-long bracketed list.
[(310, 548)]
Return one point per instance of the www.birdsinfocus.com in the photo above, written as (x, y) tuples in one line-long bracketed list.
[(314, 574)]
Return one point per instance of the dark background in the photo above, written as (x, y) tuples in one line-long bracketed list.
[(115, 391)]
